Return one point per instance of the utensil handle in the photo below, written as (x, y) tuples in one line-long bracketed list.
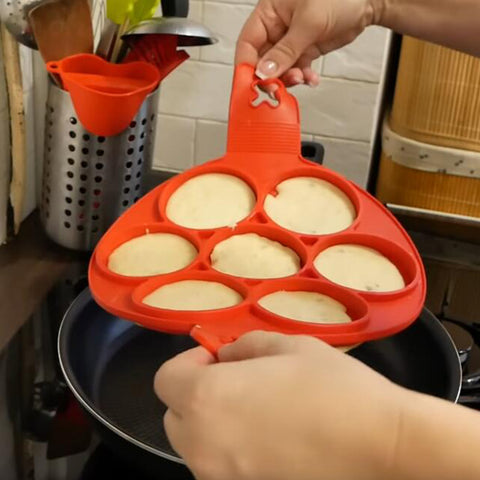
[(13, 76), (118, 43), (175, 8), (261, 128), (208, 340), (107, 39), (313, 151)]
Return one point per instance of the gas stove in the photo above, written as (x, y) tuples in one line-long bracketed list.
[(77, 454), (467, 340), (103, 464)]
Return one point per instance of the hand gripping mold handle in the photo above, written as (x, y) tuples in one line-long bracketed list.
[(212, 342), (264, 128)]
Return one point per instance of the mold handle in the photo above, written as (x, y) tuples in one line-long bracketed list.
[(262, 128), (208, 340)]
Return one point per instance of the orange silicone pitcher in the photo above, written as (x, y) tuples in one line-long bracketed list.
[(106, 96)]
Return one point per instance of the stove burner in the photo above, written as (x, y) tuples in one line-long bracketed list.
[(104, 464), (466, 337)]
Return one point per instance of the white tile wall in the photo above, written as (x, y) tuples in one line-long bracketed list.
[(226, 21), (210, 141), (174, 142), (361, 60), (195, 12), (197, 90), (337, 108), (248, 2), (194, 99), (350, 158)]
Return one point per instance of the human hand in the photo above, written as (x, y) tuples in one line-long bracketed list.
[(279, 407), (283, 37)]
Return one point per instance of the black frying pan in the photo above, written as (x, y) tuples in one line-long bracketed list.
[(109, 364)]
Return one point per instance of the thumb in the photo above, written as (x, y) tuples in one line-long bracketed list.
[(262, 344), (285, 53)]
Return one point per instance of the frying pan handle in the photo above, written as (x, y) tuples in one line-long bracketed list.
[(313, 151), (175, 8), (471, 401)]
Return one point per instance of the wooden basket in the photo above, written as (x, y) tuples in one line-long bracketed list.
[(433, 191), (426, 176), (437, 96)]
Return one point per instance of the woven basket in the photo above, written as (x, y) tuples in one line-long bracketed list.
[(426, 176), (437, 96)]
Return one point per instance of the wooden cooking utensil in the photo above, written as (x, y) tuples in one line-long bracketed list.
[(13, 76), (62, 28)]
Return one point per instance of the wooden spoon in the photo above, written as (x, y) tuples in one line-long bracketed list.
[(62, 28), (13, 76)]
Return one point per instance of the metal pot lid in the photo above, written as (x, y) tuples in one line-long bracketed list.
[(189, 33)]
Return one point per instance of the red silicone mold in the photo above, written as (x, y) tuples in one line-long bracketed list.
[(263, 150)]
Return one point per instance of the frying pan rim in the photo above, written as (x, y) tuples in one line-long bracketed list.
[(85, 296), (82, 298), (454, 350)]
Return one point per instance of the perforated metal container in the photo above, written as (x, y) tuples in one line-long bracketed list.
[(89, 181)]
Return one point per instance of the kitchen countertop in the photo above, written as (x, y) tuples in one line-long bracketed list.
[(30, 265)]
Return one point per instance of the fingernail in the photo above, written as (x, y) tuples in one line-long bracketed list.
[(297, 80), (266, 69), (271, 91)]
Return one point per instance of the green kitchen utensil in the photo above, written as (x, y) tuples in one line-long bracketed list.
[(127, 13), (133, 10)]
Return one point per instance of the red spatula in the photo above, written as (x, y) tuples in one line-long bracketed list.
[(159, 50)]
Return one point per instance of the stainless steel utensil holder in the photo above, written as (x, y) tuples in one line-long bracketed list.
[(89, 181)]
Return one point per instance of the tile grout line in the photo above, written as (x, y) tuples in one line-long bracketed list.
[(221, 63), (340, 139), (210, 120), (195, 135), (349, 80), (178, 115)]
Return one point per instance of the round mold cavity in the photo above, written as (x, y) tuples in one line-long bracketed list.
[(289, 245), (111, 242), (403, 262), (193, 296), (305, 306), (152, 254), (211, 200), (355, 307), (228, 185), (336, 181), (150, 286), (310, 205)]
